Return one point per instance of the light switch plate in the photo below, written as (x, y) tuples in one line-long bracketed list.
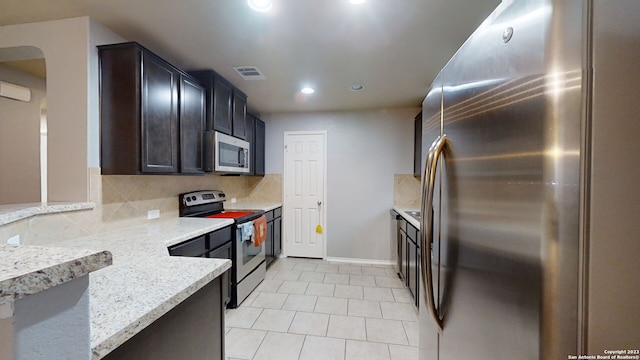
[(233, 200), (153, 214)]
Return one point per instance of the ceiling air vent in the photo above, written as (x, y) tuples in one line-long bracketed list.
[(249, 72)]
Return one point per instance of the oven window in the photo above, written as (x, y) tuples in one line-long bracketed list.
[(249, 251)]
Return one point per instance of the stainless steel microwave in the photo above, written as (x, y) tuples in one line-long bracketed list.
[(230, 154)]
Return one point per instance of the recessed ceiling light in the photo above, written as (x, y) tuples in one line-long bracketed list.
[(356, 87), (357, 2), (307, 90), (260, 5)]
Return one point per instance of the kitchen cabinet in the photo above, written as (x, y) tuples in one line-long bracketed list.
[(218, 101), (250, 137), (226, 106), (417, 145), (151, 114), (273, 242), (239, 114), (192, 122), (194, 329), (216, 244), (402, 238), (259, 147), (409, 253), (413, 266)]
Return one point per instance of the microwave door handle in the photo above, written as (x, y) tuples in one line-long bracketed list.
[(246, 157), (241, 157)]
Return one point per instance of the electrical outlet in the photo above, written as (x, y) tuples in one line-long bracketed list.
[(153, 214), (14, 240), (233, 200)]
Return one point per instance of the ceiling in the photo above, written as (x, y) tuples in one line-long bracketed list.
[(392, 47)]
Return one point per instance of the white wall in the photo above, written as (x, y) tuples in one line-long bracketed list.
[(64, 45), (20, 140), (71, 57), (364, 150)]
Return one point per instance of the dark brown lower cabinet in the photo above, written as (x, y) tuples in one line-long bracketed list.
[(273, 242), (413, 262), (192, 330)]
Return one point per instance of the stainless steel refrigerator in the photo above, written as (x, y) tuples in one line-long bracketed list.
[(531, 186)]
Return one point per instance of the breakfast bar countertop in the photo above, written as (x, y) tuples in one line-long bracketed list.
[(26, 270), (144, 282)]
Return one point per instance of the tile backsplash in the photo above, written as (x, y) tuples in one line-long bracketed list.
[(125, 200), (406, 190)]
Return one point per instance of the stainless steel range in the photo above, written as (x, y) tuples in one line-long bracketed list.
[(248, 258)]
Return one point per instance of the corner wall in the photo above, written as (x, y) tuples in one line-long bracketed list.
[(64, 45), (20, 140)]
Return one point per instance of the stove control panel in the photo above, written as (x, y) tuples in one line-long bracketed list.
[(201, 197)]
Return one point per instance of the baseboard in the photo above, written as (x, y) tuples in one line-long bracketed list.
[(360, 261)]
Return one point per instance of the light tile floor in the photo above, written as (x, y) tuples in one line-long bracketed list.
[(311, 309)]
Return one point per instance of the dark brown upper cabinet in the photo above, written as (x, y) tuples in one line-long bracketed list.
[(226, 105), (417, 145), (258, 146), (151, 114), (192, 124), (250, 137), (239, 114)]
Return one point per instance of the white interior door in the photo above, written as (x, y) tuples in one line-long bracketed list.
[(304, 189)]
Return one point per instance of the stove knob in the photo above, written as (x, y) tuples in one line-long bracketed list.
[(188, 199), (193, 198)]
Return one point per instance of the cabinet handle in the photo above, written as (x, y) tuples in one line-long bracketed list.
[(426, 225)]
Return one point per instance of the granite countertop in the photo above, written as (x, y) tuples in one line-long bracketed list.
[(12, 213), (27, 270), (401, 210), (265, 206), (144, 282)]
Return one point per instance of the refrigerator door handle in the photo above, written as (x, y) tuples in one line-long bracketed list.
[(426, 225)]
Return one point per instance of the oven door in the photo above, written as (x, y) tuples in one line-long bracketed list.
[(248, 257), (231, 154)]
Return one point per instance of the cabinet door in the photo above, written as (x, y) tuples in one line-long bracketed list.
[(159, 116), (412, 254), (239, 114), (417, 145), (403, 255), (250, 137), (269, 240), (259, 148), (192, 117), (418, 267), (277, 236), (222, 115)]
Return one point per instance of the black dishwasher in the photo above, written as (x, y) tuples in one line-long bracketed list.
[(215, 244)]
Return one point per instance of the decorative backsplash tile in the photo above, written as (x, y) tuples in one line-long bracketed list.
[(265, 189), (125, 200), (406, 190)]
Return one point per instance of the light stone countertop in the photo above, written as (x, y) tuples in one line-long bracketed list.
[(410, 219), (144, 282), (265, 206), (27, 270), (16, 212)]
